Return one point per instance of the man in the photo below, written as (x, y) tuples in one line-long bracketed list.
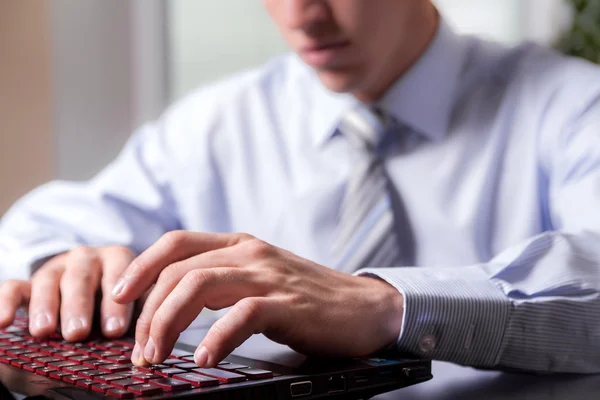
[(387, 142)]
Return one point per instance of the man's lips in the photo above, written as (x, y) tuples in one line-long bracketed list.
[(324, 54)]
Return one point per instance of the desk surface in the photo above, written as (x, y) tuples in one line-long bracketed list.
[(452, 382)]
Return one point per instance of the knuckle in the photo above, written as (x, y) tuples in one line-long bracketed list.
[(259, 249), (196, 278), (243, 237), (170, 274), (120, 251), (174, 240), (250, 309), (10, 285)]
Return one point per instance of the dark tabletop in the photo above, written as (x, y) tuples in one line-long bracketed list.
[(452, 382)]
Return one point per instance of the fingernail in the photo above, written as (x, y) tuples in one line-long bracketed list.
[(149, 351), (41, 321), (74, 325), (114, 324), (135, 354), (201, 357), (118, 289)]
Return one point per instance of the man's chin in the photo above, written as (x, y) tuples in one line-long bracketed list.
[(338, 81)]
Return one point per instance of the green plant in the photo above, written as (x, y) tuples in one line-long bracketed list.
[(583, 38)]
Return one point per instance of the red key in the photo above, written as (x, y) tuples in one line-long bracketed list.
[(171, 385), (223, 376), (76, 368), (144, 376), (85, 383), (145, 389), (170, 372), (254, 373), (58, 374), (101, 387), (72, 379), (124, 383), (120, 394), (197, 380), (115, 367), (119, 359), (108, 378)]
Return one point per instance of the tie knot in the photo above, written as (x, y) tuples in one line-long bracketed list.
[(366, 126)]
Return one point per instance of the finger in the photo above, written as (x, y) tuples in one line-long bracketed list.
[(214, 288), (45, 300), (247, 317), (171, 248), (114, 318), (13, 294), (78, 288)]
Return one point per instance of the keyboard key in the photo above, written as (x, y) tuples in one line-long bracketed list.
[(7, 360), (72, 379), (223, 376), (18, 353), (232, 367), (170, 371), (144, 376), (153, 368), (32, 356), (62, 364), (120, 394), (115, 367), (43, 371), (18, 363), (85, 383), (124, 383), (186, 366), (145, 389), (109, 378), (65, 355), (46, 360), (197, 380), (31, 367), (254, 373), (177, 353), (188, 359), (75, 369), (94, 363), (172, 361), (119, 359), (58, 374), (171, 385), (101, 387), (81, 359), (90, 373)]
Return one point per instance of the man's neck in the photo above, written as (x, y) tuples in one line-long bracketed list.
[(422, 32)]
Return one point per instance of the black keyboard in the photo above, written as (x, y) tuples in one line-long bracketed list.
[(104, 366)]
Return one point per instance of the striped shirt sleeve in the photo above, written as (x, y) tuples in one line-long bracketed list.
[(535, 307)]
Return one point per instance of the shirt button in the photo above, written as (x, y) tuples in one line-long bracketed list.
[(427, 343)]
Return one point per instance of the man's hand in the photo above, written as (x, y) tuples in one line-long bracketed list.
[(311, 308), (66, 286)]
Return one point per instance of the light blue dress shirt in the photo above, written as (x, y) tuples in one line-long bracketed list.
[(497, 176)]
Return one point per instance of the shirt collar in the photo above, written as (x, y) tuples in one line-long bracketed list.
[(422, 98)]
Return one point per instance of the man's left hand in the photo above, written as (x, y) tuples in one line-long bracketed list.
[(311, 308)]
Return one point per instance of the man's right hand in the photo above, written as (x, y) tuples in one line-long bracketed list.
[(66, 286)]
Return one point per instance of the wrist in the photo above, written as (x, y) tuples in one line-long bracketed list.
[(389, 303)]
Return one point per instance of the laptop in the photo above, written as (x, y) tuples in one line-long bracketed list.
[(259, 369)]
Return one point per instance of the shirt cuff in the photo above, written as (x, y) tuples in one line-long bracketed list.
[(450, 314)]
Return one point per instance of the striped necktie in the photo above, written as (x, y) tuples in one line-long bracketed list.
[(365, 236)]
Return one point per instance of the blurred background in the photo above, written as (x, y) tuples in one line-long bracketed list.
[(78, 76)]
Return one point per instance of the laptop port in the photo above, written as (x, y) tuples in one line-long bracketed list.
[(337, 383), (360, 380), (299, 389)]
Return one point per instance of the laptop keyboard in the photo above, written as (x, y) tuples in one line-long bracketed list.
[(104, 366)]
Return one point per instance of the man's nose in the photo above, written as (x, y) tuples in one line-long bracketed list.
[(304, 14)]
